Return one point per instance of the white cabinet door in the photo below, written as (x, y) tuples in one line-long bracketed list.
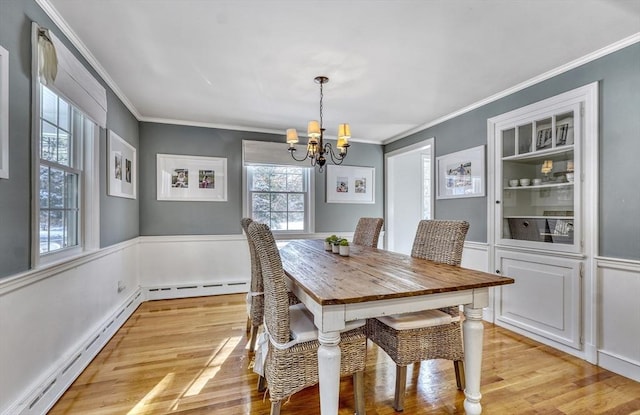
[(545, 299)]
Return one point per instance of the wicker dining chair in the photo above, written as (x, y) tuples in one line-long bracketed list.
[(291, 359), (368, 231), (255, 297), (431, 334)]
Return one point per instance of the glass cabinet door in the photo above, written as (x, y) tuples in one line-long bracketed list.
[(537, 170)]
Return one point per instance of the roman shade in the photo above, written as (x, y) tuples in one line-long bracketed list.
[(266, 152), (63, 73)]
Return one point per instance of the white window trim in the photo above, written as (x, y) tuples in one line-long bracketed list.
[(272, 153), (89, 187), (4, 113)]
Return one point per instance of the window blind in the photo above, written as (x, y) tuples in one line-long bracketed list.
[(265, 152)]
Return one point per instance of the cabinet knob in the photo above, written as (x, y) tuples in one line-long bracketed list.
[(497, 271), (497, 202)]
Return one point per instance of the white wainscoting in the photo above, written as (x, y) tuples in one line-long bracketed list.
[(619, 316), (191, 266), (56, 319)]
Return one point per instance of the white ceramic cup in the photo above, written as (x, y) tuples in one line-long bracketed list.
[(525, 182), (569, 177), (513, 183), (537, 182)]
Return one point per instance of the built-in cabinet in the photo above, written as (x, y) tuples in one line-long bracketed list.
[(541, 210)]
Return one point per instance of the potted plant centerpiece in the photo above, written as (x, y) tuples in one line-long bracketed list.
[(344, 247), (328, 242), (335, 245)]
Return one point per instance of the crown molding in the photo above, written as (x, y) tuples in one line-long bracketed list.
[(59, 21), (614, 47)]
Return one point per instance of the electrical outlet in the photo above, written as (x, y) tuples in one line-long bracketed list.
[(121, 286)]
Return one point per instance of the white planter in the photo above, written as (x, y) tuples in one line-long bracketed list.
[(327, 246), (344, 250), (335, 249)]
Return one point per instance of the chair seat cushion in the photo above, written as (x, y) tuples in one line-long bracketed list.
[(419, 319), (302, 327)]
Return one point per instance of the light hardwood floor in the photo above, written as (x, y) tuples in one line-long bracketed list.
[(189, 356)]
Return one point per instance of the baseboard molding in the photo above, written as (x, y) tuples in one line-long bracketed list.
[(195, 290), (46, 393), (619, 365)]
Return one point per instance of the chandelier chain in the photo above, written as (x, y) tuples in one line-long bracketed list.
[(321, 97)]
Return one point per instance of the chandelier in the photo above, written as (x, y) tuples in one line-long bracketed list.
[(317, 150)]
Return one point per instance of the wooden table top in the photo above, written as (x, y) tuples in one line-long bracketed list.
[(369, 274)]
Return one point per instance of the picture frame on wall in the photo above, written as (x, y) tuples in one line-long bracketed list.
[(122, 166), (461, 174), (4, 113), (350, 184), (191, 178)]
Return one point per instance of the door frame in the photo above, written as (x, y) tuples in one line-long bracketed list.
[(388, 191)]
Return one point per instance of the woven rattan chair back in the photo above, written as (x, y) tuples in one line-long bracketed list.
[(368, 231), (440, 241), (256, 270), (255, 299), (276, 299)]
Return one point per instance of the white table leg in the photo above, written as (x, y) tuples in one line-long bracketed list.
[(329, 371), (472, 333)]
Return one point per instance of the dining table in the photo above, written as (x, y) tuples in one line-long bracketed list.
[(373, 282)]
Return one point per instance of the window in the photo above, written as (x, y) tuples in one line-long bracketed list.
[(65, 135), (279, 196), (67, 111)]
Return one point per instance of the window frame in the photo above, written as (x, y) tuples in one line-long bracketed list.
[(88, 187), (73, 167), (309, 214)]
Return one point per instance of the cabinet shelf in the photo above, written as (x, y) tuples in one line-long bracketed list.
[(538, 217), (557, 153), (540, 186)]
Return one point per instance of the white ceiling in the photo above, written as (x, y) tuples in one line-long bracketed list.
[(395, 66)]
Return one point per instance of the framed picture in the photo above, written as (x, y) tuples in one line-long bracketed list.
[(350, 184), (122, 167), (564, 131), (191, 178), (461, 174), (543, 136), (4, 113)]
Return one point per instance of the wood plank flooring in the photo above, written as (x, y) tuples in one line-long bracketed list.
[(189, 356)]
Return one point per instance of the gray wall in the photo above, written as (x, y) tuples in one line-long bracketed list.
[(619, 199), (118, 217), (219, 218), (332, 217), (122, 219)]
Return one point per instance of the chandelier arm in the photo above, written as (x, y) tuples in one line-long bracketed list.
[(291, 151), (335, 159)]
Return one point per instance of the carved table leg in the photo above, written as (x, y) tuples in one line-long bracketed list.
[(472, 333), (329, 372)]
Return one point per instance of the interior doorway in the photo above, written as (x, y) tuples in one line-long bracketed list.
[(409, 193)]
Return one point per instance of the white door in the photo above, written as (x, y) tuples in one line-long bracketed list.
[(409, 193)]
